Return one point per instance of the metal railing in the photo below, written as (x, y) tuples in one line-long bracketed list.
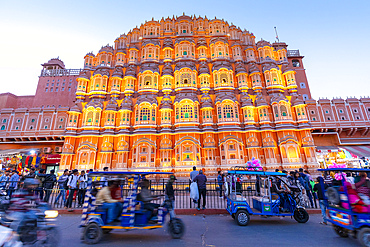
[(293, 53), (214, 198)]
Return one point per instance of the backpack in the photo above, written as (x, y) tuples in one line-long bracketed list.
[(65, 183)]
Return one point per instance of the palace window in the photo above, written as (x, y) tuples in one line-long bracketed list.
[(144, 114)]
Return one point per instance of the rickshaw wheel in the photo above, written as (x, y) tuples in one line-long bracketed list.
[(343, 233), (301, 215), (364, 236), (242, 217), (176, 228), (93, 233)]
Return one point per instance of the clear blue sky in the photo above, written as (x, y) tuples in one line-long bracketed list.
[(332, 35)]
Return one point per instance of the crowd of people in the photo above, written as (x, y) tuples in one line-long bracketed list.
[(71, 183)]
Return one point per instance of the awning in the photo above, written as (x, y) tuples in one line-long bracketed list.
[(18, 151), (360, 151), (50, 159), (327, 149)]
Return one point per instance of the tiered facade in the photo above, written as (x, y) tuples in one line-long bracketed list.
[(184, 92)]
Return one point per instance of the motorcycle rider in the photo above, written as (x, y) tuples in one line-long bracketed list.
[(21, 200)]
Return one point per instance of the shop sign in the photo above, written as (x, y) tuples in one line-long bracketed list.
[(50, 159)]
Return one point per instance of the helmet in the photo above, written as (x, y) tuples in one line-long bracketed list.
[(31, 181)]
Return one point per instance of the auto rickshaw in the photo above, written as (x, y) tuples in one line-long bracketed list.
[(264, 203), (345, 209), (133, 216)]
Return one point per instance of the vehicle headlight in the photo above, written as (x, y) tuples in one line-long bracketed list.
[(51, 213)]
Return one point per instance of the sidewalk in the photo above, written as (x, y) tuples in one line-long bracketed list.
[(191, 211)]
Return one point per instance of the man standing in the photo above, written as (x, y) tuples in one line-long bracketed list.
[(193, 174), (170, 193), (320, 194), (14, 179), (4, 180), (31, 174), (62, 190), (82, 185), (219, 181), (201, 180), (72, 186), (49, 182), (41, 177)]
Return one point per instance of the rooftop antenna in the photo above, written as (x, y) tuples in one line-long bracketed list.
[(277, 36)]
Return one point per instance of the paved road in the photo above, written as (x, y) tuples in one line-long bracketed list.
[(217, 230)]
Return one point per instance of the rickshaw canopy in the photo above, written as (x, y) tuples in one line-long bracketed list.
[(260, 173), (123, 174), (344, 170)]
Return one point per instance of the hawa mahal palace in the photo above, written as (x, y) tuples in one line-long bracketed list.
[(182, 92)]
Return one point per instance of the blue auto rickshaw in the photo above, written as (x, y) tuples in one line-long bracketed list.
[(346, 221), (133, 216), (264, 203)]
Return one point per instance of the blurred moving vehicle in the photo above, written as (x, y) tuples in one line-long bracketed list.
[(132, 215), (348, 209), (9, 238)]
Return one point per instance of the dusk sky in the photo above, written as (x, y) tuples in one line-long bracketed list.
[(333, 36)]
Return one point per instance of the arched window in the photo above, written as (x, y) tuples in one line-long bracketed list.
[(3, 127), (89, 117), (228, 111), (186, 112), (296, 63), (144, 114), (283, 111)]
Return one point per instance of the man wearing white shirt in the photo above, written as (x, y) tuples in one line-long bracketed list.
[(72, 186)]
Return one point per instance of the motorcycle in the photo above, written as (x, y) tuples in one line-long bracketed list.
[(35, 226)]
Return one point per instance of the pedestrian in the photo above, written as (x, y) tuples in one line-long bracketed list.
[(193, 187), (4, 179), (82, 185), (220, 182), (31, 174), (104, 179), (13, 182), (62, 187), (40, 189), (201, 180), (320, 195), (327, 178), (298, 189), (49, 182), (170, 193), (72, 186), (306, 184)]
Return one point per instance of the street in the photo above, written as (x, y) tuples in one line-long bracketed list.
[(216, 230)]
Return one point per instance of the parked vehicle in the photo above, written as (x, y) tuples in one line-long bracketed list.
[(264, 204), (133, 215), (348, 218)]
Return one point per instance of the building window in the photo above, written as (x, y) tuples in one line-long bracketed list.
[(33, 120), (46, 90), (48, 80), (70, 84), (3, 127), (47, 84), (329, 118), (296, 63), (52, 84), (64, 80), (16, 127), (312, 112), (45, 127), (303, 85), (313, 119), (60, 126), (58, 83), (47, 120), (341, 111), (61, 120), (305, 96), (56, 90), (357, 117), (4, 120), (70, 79), (18, 120), (326, 111), (355, 110), (62, 88), (69, 89), (31, 127), (343, 118), (51, 89)]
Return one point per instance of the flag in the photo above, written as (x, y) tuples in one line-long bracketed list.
[(19, 168)]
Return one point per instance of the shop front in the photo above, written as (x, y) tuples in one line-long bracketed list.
[(50, 162)]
